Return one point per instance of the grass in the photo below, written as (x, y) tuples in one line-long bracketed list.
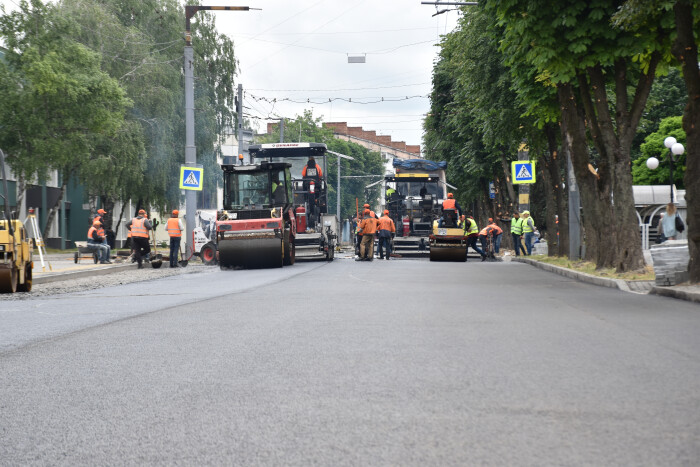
[(647, 274)]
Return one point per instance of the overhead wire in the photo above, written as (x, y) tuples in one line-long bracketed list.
[(340, 89)]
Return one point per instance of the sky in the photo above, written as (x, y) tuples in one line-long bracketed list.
[(298, 50)]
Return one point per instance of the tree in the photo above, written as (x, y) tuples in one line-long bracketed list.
[(653, 146), (603, 76), (56, 95)]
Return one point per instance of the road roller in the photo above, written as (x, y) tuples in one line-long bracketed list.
[(15, 250), (449, 241), (256, 227)]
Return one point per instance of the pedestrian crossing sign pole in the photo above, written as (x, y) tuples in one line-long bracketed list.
[(523, 171), (191, 178)]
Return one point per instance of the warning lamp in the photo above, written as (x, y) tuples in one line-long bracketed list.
[(240, 158)]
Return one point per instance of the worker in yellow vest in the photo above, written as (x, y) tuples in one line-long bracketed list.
[(472, 236), (516, 231), (174, 229), (528, 231)]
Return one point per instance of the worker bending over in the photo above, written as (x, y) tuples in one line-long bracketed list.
[(139, 227), (368, 227), (387, 230), (493, 231)]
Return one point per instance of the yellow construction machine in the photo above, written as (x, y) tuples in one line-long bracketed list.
[(15, 251)]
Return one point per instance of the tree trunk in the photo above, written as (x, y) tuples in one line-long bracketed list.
[(560, 218), (508, 181), (550, 207), (686, 51)]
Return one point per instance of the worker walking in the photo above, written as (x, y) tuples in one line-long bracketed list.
[(387, 230), (472, 236), (516, 231), (174, 229), (139, 227), (368, 227), (96, 242), (528, 231)]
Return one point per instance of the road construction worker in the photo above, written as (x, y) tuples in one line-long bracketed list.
[(516, 231), (495, 232), (174, 229), (387, 230), (368, 227), (389, 192), (528, 231), (371, 213), (139, 227), (472, 236), (312, 169), (95, 242), (451, 204)]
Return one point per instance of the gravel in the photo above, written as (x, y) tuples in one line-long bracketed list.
[(108, 280)]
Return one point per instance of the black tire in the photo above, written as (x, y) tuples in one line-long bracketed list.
[(8, 280), (27, 286), (95, 258), (76, 257), (289, 251), (208, 254)]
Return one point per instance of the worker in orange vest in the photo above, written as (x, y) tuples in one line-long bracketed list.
[(451, 203), (368, 227), (96, 242), (174, 229), (387, 230), (371, 213), (495, 232), (139, 227)]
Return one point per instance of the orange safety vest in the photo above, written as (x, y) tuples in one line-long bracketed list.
[(173, 228), (386, 223), (101, 230), (449, 203), (312, 172), (138, 228), (90, 231)]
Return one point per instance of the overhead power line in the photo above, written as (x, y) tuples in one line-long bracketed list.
[(328, 100), (341, 89)]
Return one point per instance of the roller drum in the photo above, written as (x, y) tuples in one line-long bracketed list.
[(457, 253), (251, 253)]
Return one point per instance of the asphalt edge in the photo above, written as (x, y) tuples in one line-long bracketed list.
[(675, 293), (579, 276), (64, 276)]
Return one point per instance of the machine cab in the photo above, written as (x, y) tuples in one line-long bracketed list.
[(264, 188)]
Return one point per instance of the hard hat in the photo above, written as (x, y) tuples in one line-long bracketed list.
[(450, 195), (366, 211), (101, 211), (462, 217), (175, 212), (141, 211), (490, 219), (366, 205), (97, 223), (526, 212), (386, 211)]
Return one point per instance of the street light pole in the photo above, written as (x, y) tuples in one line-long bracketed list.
[(674, 148), (190, 149)]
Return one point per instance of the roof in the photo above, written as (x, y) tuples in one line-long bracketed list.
[(648, 195)]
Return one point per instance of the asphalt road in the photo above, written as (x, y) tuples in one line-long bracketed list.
[(382, 363)]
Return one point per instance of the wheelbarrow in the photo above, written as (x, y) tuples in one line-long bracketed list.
[(85, 253)]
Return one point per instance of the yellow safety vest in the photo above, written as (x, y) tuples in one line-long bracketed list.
[(473, 228), (516, 226), (526, 225)]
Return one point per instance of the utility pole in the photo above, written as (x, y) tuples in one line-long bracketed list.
[(239, 118), (574, 210), (190, 149), (337, 188), (281, 130), (523, 188)]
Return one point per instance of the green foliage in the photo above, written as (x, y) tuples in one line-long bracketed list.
[(654, 147)]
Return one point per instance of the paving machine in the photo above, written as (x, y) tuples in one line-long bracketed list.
[(256, 227), (414, 201), (317, 231), (16, 262), (448, 242)]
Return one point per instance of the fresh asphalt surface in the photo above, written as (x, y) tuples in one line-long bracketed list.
[(383, 363)]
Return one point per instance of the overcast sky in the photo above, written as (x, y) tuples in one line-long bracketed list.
[(298, 50)]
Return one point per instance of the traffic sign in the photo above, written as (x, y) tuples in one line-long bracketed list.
[(523, 171), (492, 190), (191, 178)]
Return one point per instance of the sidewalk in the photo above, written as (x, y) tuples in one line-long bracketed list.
[(62, 266), (689, 293)]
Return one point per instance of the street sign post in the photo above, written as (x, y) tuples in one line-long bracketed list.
[(492, 190), (191, 178), (523, 171)]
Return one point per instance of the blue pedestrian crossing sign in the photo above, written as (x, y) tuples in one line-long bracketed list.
[(523, 171), (191, 178)]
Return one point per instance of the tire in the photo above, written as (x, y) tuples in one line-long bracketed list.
[(76, 257), (95, 258), (289, 252), (208, 254), (8, 280), (27, 286)]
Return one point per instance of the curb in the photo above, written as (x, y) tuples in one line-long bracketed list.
[(580, 276), (58, 277), (676, 293)]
